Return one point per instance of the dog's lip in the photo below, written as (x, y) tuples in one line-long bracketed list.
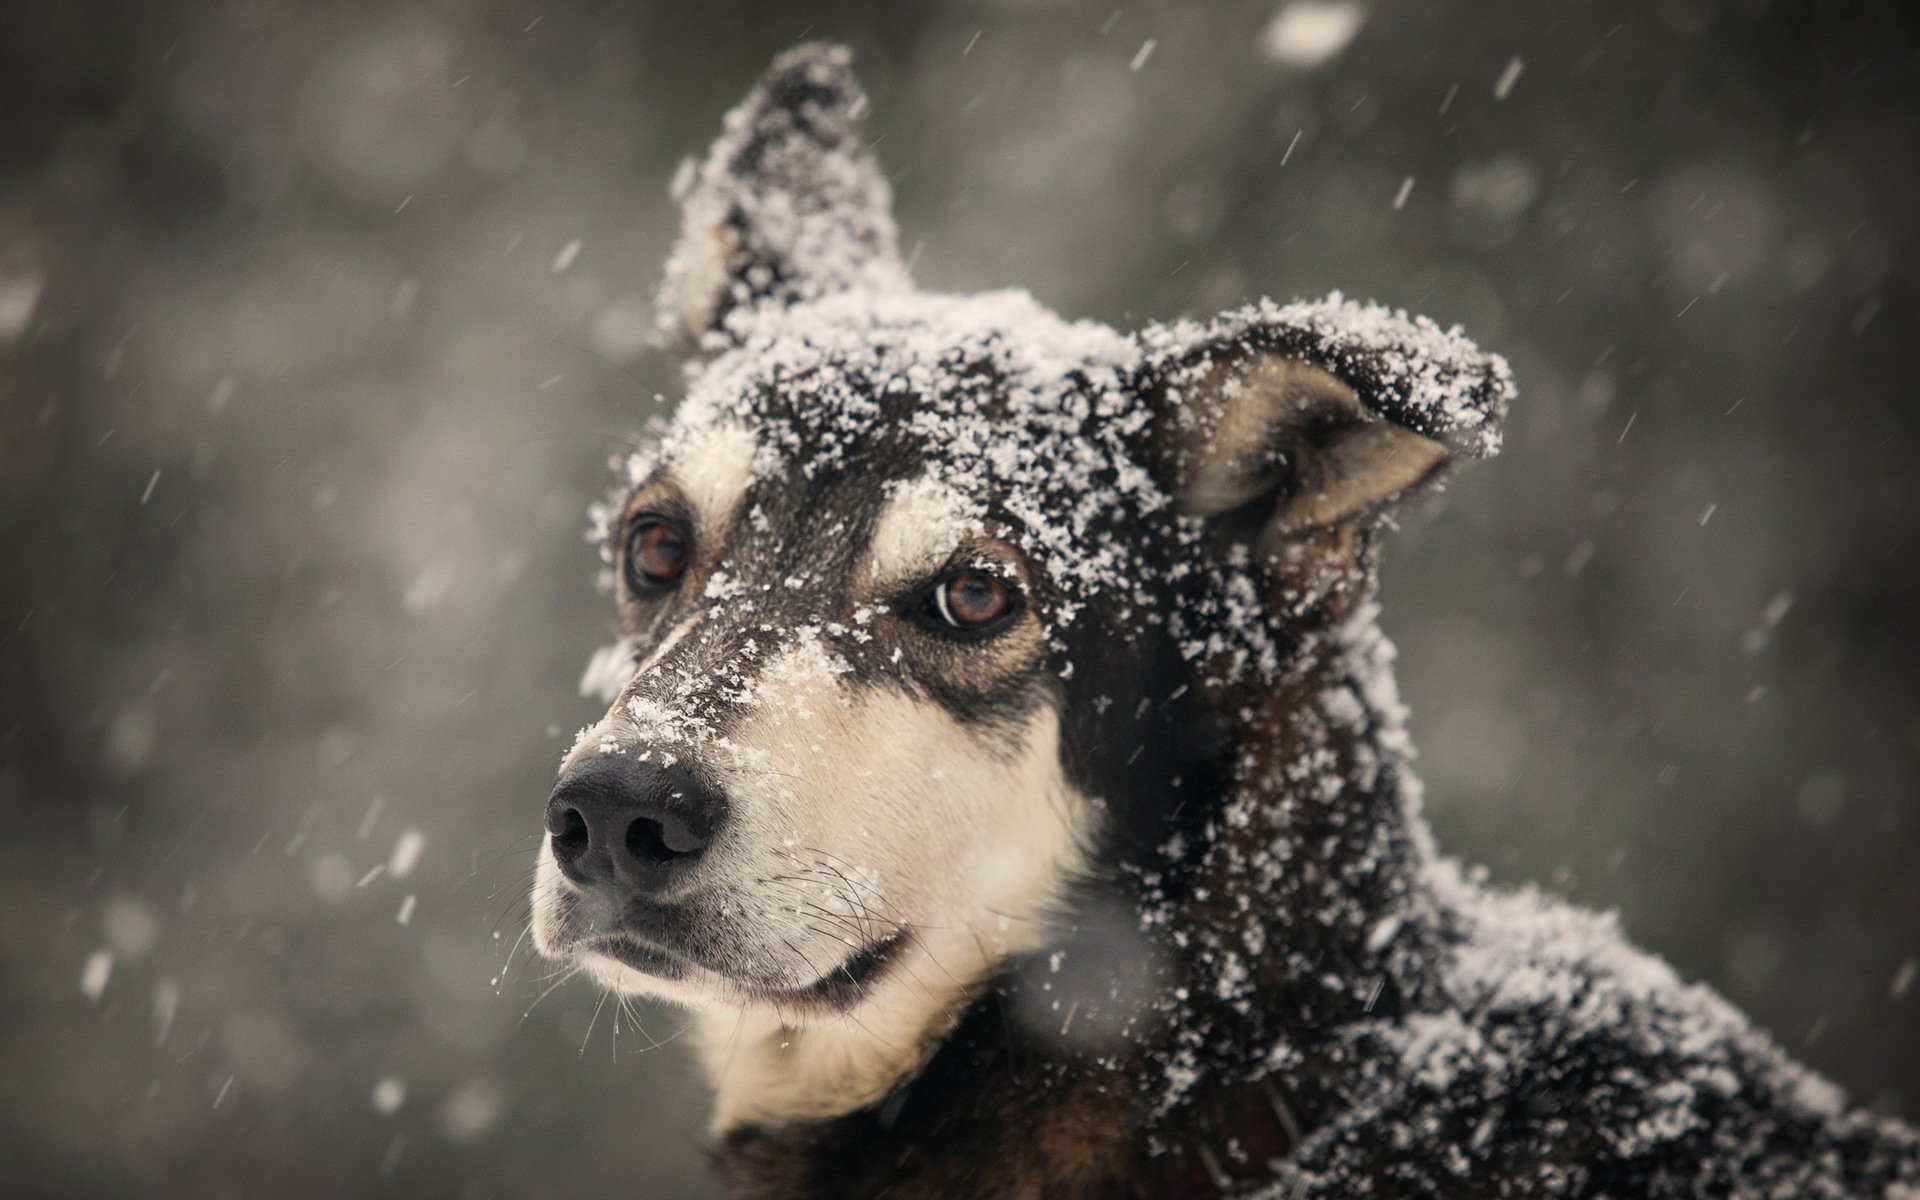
[(844, 986), (653, 929), (638, 953), (841, 988)]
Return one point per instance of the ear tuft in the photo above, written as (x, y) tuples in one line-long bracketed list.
[(1404, 369), (1320, 411), (790, 204)]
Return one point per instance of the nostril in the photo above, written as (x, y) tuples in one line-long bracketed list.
[(571, 840), (647, 841)]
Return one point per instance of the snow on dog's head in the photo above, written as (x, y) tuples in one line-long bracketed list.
[(926, 596)]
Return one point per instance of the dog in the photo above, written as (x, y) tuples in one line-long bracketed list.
[(1004, 760)]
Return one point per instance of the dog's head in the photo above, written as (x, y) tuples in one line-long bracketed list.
[(929, 601)]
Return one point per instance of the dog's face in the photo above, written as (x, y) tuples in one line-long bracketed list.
[(840, 755), (920, 593)]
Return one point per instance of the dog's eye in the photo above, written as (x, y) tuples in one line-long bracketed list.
[(657, 554), (971, 601)]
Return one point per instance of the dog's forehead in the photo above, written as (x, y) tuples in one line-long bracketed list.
[(990, 397), (858, 368)]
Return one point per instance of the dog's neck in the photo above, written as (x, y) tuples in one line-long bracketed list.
[(1305, 909)]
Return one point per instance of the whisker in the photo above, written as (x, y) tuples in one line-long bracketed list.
[(566, 973), (591, 1021), (733, 1050), (508, 911), (507, 966)]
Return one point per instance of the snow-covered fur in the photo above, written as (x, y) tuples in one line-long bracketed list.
[(1125, 893)]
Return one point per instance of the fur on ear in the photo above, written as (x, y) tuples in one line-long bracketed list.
[(1315, 413), (790, 204)]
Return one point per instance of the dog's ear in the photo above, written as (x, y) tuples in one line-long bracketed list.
[(790, 204), (1288, 420)]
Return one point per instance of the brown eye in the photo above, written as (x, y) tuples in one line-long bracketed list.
[(971, 600), (656, 554)]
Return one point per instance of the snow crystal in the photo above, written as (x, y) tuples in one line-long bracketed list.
[(407, 849), (428, 588), (94, 975), (472, 1109), (1383, 933), (623, 330), (332, 877), (389, 1094), (372, 817), (1509, 75), (132, 737), (1757, 638), (19, 297), (1306, 34), (132, 928), (166, 1006), (1497, 190)]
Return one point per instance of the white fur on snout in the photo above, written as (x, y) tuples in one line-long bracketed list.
[(887, 816), (856, 814), (918, 530), (713, 467)]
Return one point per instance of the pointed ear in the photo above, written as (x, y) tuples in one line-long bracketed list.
[(789, 206), (1311, 416)]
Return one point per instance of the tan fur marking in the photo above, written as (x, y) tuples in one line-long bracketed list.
[(924, 522), (963, 845), (713, 469), (1238, 412)]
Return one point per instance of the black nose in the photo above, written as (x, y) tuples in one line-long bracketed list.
[(617, 821)]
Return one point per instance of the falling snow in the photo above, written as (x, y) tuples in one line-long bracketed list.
[(279, 480), (407, 849), (94, 975), (1307, 34)]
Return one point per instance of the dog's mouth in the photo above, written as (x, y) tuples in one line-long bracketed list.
[(839, 989), (844, 986)]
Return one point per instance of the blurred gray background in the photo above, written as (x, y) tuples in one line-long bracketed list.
[(319, 321)]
